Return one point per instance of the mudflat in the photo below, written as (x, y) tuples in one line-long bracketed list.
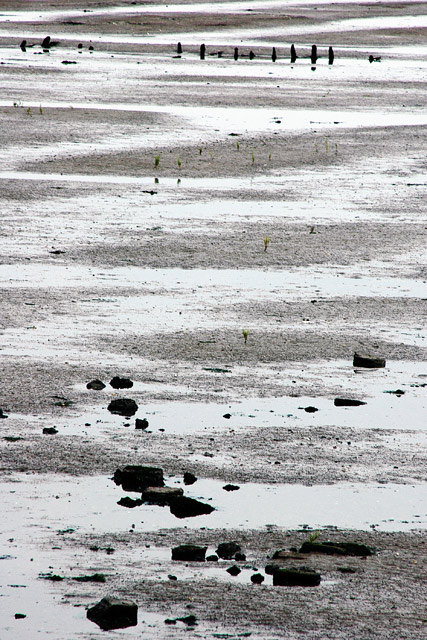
[(225, 233)]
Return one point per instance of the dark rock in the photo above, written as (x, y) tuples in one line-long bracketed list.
[(347, 402), (2, 414), (227, 416), (123, 407), (296, 577), (236, 53), (190, 620), (251, 55), (331, 56), (20, 616), (309, 409), (337, 548), (130, 503), (95, 385), (369, 362), (257, 578), (50, 431), (53, 577), (91, 48), (95, 577), (202, 51), (113, 613), (189, 553), (374, 58), (179, 48), (240, 557), (141, 423), (121, 383), (212, 558), (46, 43), (226, 550), (161, 495), (346, 570), (270, 569), (138, 478), (234, 570), (172, 578), (189, 478), (189, 507), (23, 45), (398, 392), (231, 487), (68, 62), (170, 621)]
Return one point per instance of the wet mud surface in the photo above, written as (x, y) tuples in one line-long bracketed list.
[(226, 233)]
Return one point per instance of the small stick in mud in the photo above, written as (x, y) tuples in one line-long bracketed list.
[(179, 48), (236, 53), (274, 55), (313, 56), (331, 56), (293, 54), (202, 51)]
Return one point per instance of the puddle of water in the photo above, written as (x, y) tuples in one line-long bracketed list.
[(89, 505)]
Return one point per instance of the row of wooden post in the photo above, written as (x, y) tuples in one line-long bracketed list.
[(313, 56)]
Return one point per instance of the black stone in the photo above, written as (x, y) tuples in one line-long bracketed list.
[(123, 407), (331, 56), (274, 55), (46, 43), (189, 553), (347, 402), (293, 53), (257, 578), (234, 570), (141, 424), (189, 507), (236, 53), (227, 416), (50, 431), (2, 414), (95, 385), (138, 478), (202, 51), (231, 487), (310, 409), (130, 503), (313, 56), (179, 48), (212, 558), (369, 362), (296, 577), (240, 557), (113, 613), (226, 550), (189, 478), (121, 383)]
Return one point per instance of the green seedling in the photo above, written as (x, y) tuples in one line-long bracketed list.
[(336, 149), (237, 145), (179, 162), (266, 242), (41, 110), (253, 156), (313, 536), (29, 112), (211, 155), (200, 151), (245, 333), (269, 157), (157, 161), (326, 145)]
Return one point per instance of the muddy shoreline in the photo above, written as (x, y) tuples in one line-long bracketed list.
[(154, 208)]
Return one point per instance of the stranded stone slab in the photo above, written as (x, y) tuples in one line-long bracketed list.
[(226, 550), (189, 553), (161, 495), (369, 362), (123, 407), (296, 578), (348, 402), (138, 478), (112, 613)]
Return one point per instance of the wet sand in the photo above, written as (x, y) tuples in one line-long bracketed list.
[(115, 263)]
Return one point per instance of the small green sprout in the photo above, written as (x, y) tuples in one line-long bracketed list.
[(245, 333), (313, 536), (200, 151), (29, 112), (326, 145), (253, 156), (41, 110), (179, 162), (266, 242), (269, 157), (156, 161), (237, 145)]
